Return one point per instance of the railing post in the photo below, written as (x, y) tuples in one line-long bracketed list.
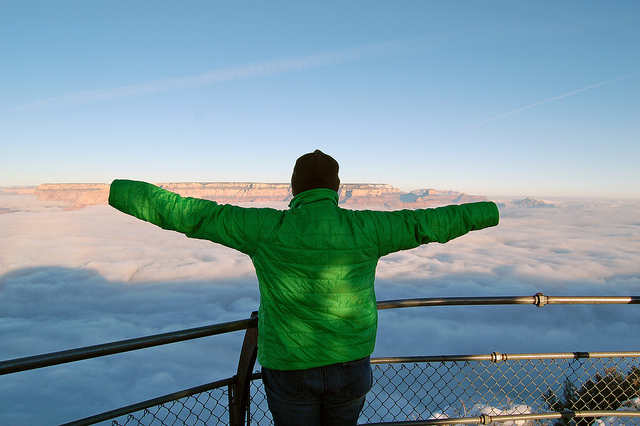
[(239, 391)]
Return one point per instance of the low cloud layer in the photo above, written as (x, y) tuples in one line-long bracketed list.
[(75, 278)]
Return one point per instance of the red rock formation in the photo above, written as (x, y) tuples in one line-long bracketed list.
[(351, 195)]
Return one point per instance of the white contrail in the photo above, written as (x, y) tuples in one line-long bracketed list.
[(215, 76), (548, 100)]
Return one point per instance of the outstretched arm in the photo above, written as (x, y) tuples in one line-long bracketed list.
[(410, 228), (231, 226)]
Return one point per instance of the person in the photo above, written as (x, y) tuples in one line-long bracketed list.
[(315, 263)]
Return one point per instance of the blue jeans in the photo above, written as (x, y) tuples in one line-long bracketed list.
[(330, 395)]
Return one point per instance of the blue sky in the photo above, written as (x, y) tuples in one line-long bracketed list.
[(507, 98)]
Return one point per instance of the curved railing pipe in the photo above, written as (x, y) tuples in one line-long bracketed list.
[(72, 355), (485, 419), (538, 299)]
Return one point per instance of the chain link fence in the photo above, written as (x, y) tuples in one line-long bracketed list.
[(502, 385), (206, 408), (413, 389)]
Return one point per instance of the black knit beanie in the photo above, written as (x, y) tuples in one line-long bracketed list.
[(315, 170)]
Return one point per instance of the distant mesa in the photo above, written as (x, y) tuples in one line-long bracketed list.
[(79, 195), (76, 195), (17, 190), (530, 202)]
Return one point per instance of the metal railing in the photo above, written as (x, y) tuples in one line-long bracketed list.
[(518, 389)]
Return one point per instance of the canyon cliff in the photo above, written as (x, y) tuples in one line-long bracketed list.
[(79, 195)]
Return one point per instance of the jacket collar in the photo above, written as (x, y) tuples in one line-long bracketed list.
[(312, 196)]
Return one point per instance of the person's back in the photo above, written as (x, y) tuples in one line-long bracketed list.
[(315, 264)]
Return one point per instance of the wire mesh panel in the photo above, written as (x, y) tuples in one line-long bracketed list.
[(469, 386), (454, 389), (258, 411), (205, 408)]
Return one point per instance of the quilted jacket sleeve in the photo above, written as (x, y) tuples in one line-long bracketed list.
[(406, 229), (232, 226)]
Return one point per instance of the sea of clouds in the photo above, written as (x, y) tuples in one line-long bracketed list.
[(77, 278)]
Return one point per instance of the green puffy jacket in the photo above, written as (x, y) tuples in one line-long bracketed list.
[(315, 262)]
